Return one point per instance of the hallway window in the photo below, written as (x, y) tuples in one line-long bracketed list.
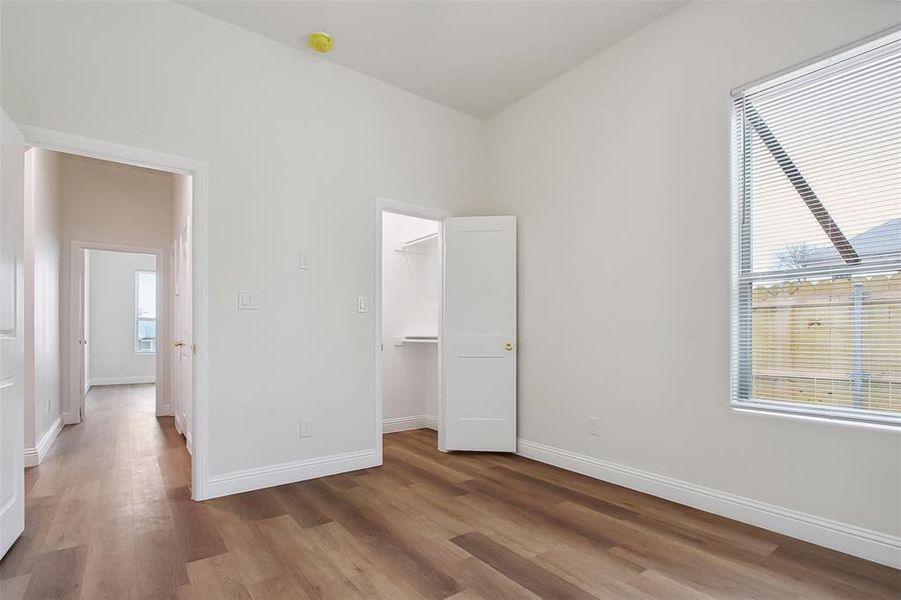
[(145, 312)]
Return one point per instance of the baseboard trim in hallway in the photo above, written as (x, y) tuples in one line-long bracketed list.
[(407, 423), (131, 380), (856, 541), (35, 456)]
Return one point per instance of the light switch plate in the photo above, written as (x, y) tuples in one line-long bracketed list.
[(362, 304), (303, 261), (247, 300)]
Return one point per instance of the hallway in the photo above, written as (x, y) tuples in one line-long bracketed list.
[(106, 498)]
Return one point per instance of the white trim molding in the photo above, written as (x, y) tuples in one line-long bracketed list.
[(136, 379), (407, 423), (200, 215), (35, 456), (843, 537), (70, 419), (248, 480)]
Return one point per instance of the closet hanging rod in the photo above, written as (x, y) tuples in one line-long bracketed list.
[(418, 240)]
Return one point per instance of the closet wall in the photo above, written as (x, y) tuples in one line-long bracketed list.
[(411, 279)]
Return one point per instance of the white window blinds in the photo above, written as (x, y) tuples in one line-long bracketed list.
[(817, 244)]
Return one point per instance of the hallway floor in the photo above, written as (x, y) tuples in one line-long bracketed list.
[(109, 515)]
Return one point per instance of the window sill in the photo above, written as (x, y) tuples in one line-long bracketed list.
[(888, 424), (145, 352)]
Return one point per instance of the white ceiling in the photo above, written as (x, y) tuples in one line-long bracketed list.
[(478, 57)]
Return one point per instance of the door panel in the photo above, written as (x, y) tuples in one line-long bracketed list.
[(479, 334), (79, 348), (12, 349), (183, 349)]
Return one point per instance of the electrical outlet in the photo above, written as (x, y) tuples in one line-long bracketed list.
[(594, 426), (305, 428)]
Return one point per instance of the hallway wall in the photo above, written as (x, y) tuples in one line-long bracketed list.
[(42, 258)]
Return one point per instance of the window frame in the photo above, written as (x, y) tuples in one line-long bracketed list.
[(743, 278), (138, 318)]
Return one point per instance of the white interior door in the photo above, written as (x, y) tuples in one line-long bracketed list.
[(175, 351), (479, 408), (79, 348), (183, 354), (12, 348)]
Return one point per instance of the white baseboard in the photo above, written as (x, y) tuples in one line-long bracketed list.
[(189, 444), (407, 423), (35, 456), (70, 419), (281, 474), (131, 380), (850, 539)]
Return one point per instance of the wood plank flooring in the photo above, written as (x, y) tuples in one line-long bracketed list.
[(109, 515)]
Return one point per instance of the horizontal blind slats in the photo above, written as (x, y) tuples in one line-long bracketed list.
[(817, 256)]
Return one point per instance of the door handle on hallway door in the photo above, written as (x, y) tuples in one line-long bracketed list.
[(508, 346)]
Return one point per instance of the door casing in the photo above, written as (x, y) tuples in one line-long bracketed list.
[(383, 205), (200, 210), (76, 370)]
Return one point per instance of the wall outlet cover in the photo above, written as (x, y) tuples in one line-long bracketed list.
[(247, 300)]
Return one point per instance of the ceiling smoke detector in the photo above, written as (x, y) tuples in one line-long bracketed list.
[(321, 42)]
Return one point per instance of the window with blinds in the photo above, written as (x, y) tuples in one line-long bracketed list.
[(817, 246)]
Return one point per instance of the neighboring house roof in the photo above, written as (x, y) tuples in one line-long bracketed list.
[(881, 241)]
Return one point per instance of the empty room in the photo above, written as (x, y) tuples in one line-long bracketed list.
[(450, 299)]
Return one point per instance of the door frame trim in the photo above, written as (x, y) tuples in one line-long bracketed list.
[(76, 259), (200, 209), (380, 206)]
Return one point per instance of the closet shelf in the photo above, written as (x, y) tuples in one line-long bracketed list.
[(402, 340)]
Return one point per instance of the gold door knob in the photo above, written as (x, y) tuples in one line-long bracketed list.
[(178, 344), (508, 346)]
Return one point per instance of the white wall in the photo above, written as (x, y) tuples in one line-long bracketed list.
[(411, 283), (619, 174), (111, 337), (42, 284), (297, 149)]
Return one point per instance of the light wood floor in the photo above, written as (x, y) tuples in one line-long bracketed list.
[(109, 515)]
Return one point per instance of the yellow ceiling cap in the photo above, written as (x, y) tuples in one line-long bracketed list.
[(321, 42)]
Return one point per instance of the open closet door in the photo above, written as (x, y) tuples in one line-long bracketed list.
[(12, 348), (479, 334)]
